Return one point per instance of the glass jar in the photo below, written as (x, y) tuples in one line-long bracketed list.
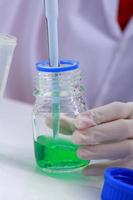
[(58, 101)]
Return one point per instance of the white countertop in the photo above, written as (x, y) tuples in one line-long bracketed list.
[(19, 178)]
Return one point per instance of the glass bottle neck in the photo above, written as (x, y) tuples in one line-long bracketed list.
[(66, 83)]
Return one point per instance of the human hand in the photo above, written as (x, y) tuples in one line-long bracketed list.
[(67, 125), (105, 133)]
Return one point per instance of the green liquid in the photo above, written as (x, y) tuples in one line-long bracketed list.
[(57, 155)]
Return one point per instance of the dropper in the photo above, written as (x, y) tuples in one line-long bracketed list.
[(51, 10)]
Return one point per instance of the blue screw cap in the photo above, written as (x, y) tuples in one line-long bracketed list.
[(118, 184)]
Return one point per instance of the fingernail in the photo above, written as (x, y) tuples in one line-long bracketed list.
[(82, 123), (87, 154), (89, 172), (85, 172), (78, 138), (82, 153)]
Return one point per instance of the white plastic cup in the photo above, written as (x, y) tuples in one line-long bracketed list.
[(7, 47)]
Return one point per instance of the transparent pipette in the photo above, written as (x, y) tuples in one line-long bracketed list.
[(51, 7)]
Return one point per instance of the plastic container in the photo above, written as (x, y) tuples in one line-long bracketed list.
[(118, 184), (7, 47), (57, 154)]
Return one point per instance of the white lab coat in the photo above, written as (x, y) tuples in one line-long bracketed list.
[(88, 32)]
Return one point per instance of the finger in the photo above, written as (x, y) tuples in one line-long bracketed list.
[(98, 169), (131, 106), (66, 124), (84, 120), (110, 151), (107, 113), (112, 131)]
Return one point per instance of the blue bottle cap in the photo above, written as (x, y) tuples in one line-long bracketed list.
[(65, 65), (118, 184)]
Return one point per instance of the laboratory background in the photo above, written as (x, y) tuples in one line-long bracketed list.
[(88, 32), (66, 99)]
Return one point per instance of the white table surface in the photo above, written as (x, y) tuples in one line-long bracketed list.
[(19, 178)]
